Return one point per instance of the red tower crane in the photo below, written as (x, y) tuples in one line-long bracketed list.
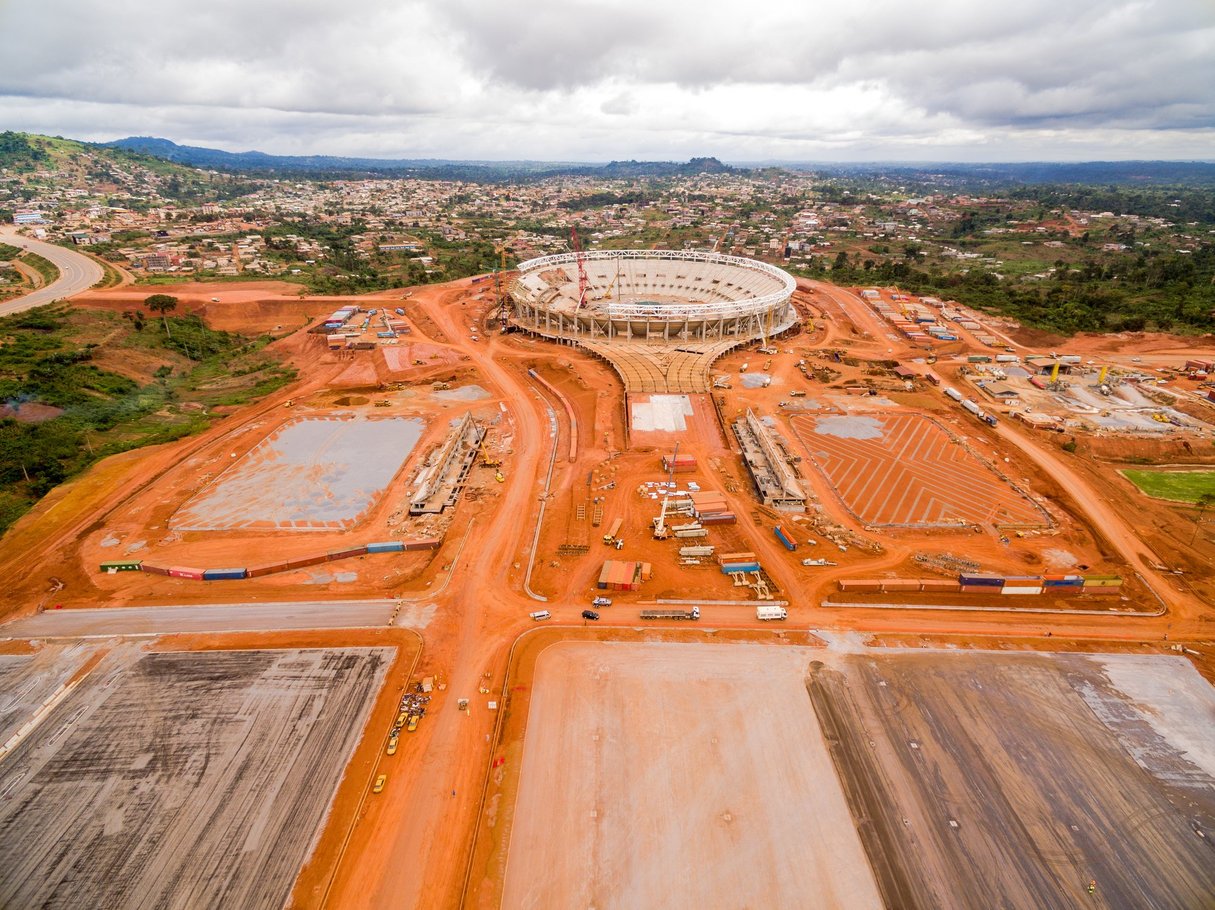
[(582, 281)]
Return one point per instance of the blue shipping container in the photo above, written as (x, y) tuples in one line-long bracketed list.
[(223, 574), (783, 538), (994, 581), (739, 567), (392, 546)]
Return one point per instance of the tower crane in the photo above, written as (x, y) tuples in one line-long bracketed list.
[(578, 254)]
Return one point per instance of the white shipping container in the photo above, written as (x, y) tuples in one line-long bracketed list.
[(1021, 590)]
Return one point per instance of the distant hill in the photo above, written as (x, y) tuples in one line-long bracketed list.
[(993, 175), (439, 168)]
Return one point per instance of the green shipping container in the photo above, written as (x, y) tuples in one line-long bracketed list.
[(121, 566)]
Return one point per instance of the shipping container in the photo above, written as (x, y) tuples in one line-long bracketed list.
[(1037, 382), (954, 394), (388, 546), (690, 534), (729, 567), (346, 552), (695, 551), (679, 464), (224, 574), (121, 565), (1010, 589), (720, 518), (980, 589), (426, 543), (740, 556), (784, 538), (988, 580), (900, 584), (271, 569), (859, 584), (303, 562), (939, 586), (185, 572), (1101, 589), (978, 358), (154, 570)]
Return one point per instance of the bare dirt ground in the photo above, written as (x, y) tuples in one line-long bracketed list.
[(1021, 779), (639, 756), (410, 845), (183, 778)]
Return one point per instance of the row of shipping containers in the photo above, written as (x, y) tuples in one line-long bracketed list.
[(393, 546), (710, 508), (989, 584), (620, 575)]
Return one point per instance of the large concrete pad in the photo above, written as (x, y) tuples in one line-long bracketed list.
[(679, 776)]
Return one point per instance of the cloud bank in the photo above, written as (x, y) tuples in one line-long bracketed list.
[(593, 80)]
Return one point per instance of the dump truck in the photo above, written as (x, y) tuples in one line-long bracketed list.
[(693, 613), (767, 613)]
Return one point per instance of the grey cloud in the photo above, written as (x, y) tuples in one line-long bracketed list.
[(614, 77)]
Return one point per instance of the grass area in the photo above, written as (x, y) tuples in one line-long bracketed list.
[(1178, 486), (42, 266), (8, 252), (82, 384)]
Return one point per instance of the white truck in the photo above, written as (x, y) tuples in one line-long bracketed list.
[(768, 613)]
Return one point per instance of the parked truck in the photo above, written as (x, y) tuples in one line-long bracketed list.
[(614, 532), (693, 613), (768, 613)]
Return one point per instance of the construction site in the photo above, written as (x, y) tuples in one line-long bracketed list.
[(437, 624)]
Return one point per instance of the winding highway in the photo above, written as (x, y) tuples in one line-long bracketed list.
[(76, 272)]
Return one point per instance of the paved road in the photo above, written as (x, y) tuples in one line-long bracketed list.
[(76, 272), (248, 617)]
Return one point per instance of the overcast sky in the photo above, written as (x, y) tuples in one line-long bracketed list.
[(593, 80)]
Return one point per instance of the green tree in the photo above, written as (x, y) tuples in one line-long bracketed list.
[(162, 304)]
